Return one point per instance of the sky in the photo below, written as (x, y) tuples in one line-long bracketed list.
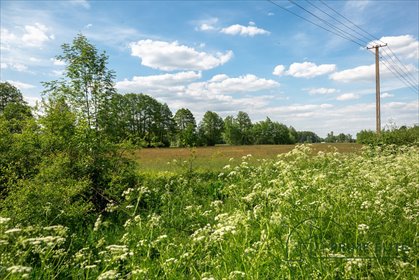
[(230, 56)]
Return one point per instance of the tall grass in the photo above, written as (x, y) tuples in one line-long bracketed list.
[(298, 216)]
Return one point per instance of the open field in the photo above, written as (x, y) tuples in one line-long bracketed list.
[(215, 158), (299, 216)]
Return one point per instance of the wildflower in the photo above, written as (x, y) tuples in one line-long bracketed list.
[(19, 269), (227, 166), (98, 223), (90, 266), (13, 230), (3, 242), (236, 274), (110, 274), (139, 271), (362, 228), (4, 220)]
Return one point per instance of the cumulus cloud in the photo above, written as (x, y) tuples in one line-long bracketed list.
[(173, 56), (347, 96), (310, 69), (207, 25), (34, 36), (304, 70), (366, 73), (57, 62), (386, 95), (321, 91), (405, 46), (279, 70), (251, 30), (158, 83), (223, 84), (14, 66), (21, 85)]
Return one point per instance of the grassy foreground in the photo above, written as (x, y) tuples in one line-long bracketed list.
[(297, 216), (215, 158)]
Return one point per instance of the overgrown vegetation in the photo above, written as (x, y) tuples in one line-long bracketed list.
[(398, 136)]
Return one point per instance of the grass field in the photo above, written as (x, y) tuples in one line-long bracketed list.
[(215, 158)]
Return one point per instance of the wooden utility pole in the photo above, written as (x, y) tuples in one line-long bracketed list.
[(377, 86)]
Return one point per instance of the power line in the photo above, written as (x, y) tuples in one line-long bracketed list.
[(350, 28), (318, 25), (404, 76)]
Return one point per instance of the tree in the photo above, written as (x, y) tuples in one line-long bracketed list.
[(9, 94), (88, 84), (185, 128), (211, 128), (308, 137), (238, 131), (268, 132)]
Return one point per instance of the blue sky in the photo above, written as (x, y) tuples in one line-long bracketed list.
[(227, 56)]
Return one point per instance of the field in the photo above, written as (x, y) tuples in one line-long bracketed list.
[(215, 158), (309, 213)]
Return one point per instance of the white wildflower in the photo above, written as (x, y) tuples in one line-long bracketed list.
[(13, 230), (19, 269), (110, 274), (98, 223), (362, 228), (4, 220)]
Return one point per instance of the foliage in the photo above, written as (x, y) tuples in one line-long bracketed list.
[(269, 132), (308, 137), (340, 138), (341, 216), (9, 94), (210, 129), (238, 131), (397, 136), (88, 83), (186, 134)]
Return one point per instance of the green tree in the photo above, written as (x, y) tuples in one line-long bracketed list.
[(9, 94), (88, 84), (238, 131), (210, 129), (308, 137), (185, 128), (269, 132)]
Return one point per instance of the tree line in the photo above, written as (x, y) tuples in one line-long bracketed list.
[(87, 91)]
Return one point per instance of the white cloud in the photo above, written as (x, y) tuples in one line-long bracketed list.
[(172, 56), (158, 83), (386, 95), (207, 25), (241, 30), (223, 84), (366, 73), (309, 69), (321, 91), (57, 62), (347, 96), (14, 66), (279, 70), (20, 85), (36, 35), (405, 46)]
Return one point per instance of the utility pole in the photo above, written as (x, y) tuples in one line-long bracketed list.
[(377, 86)]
